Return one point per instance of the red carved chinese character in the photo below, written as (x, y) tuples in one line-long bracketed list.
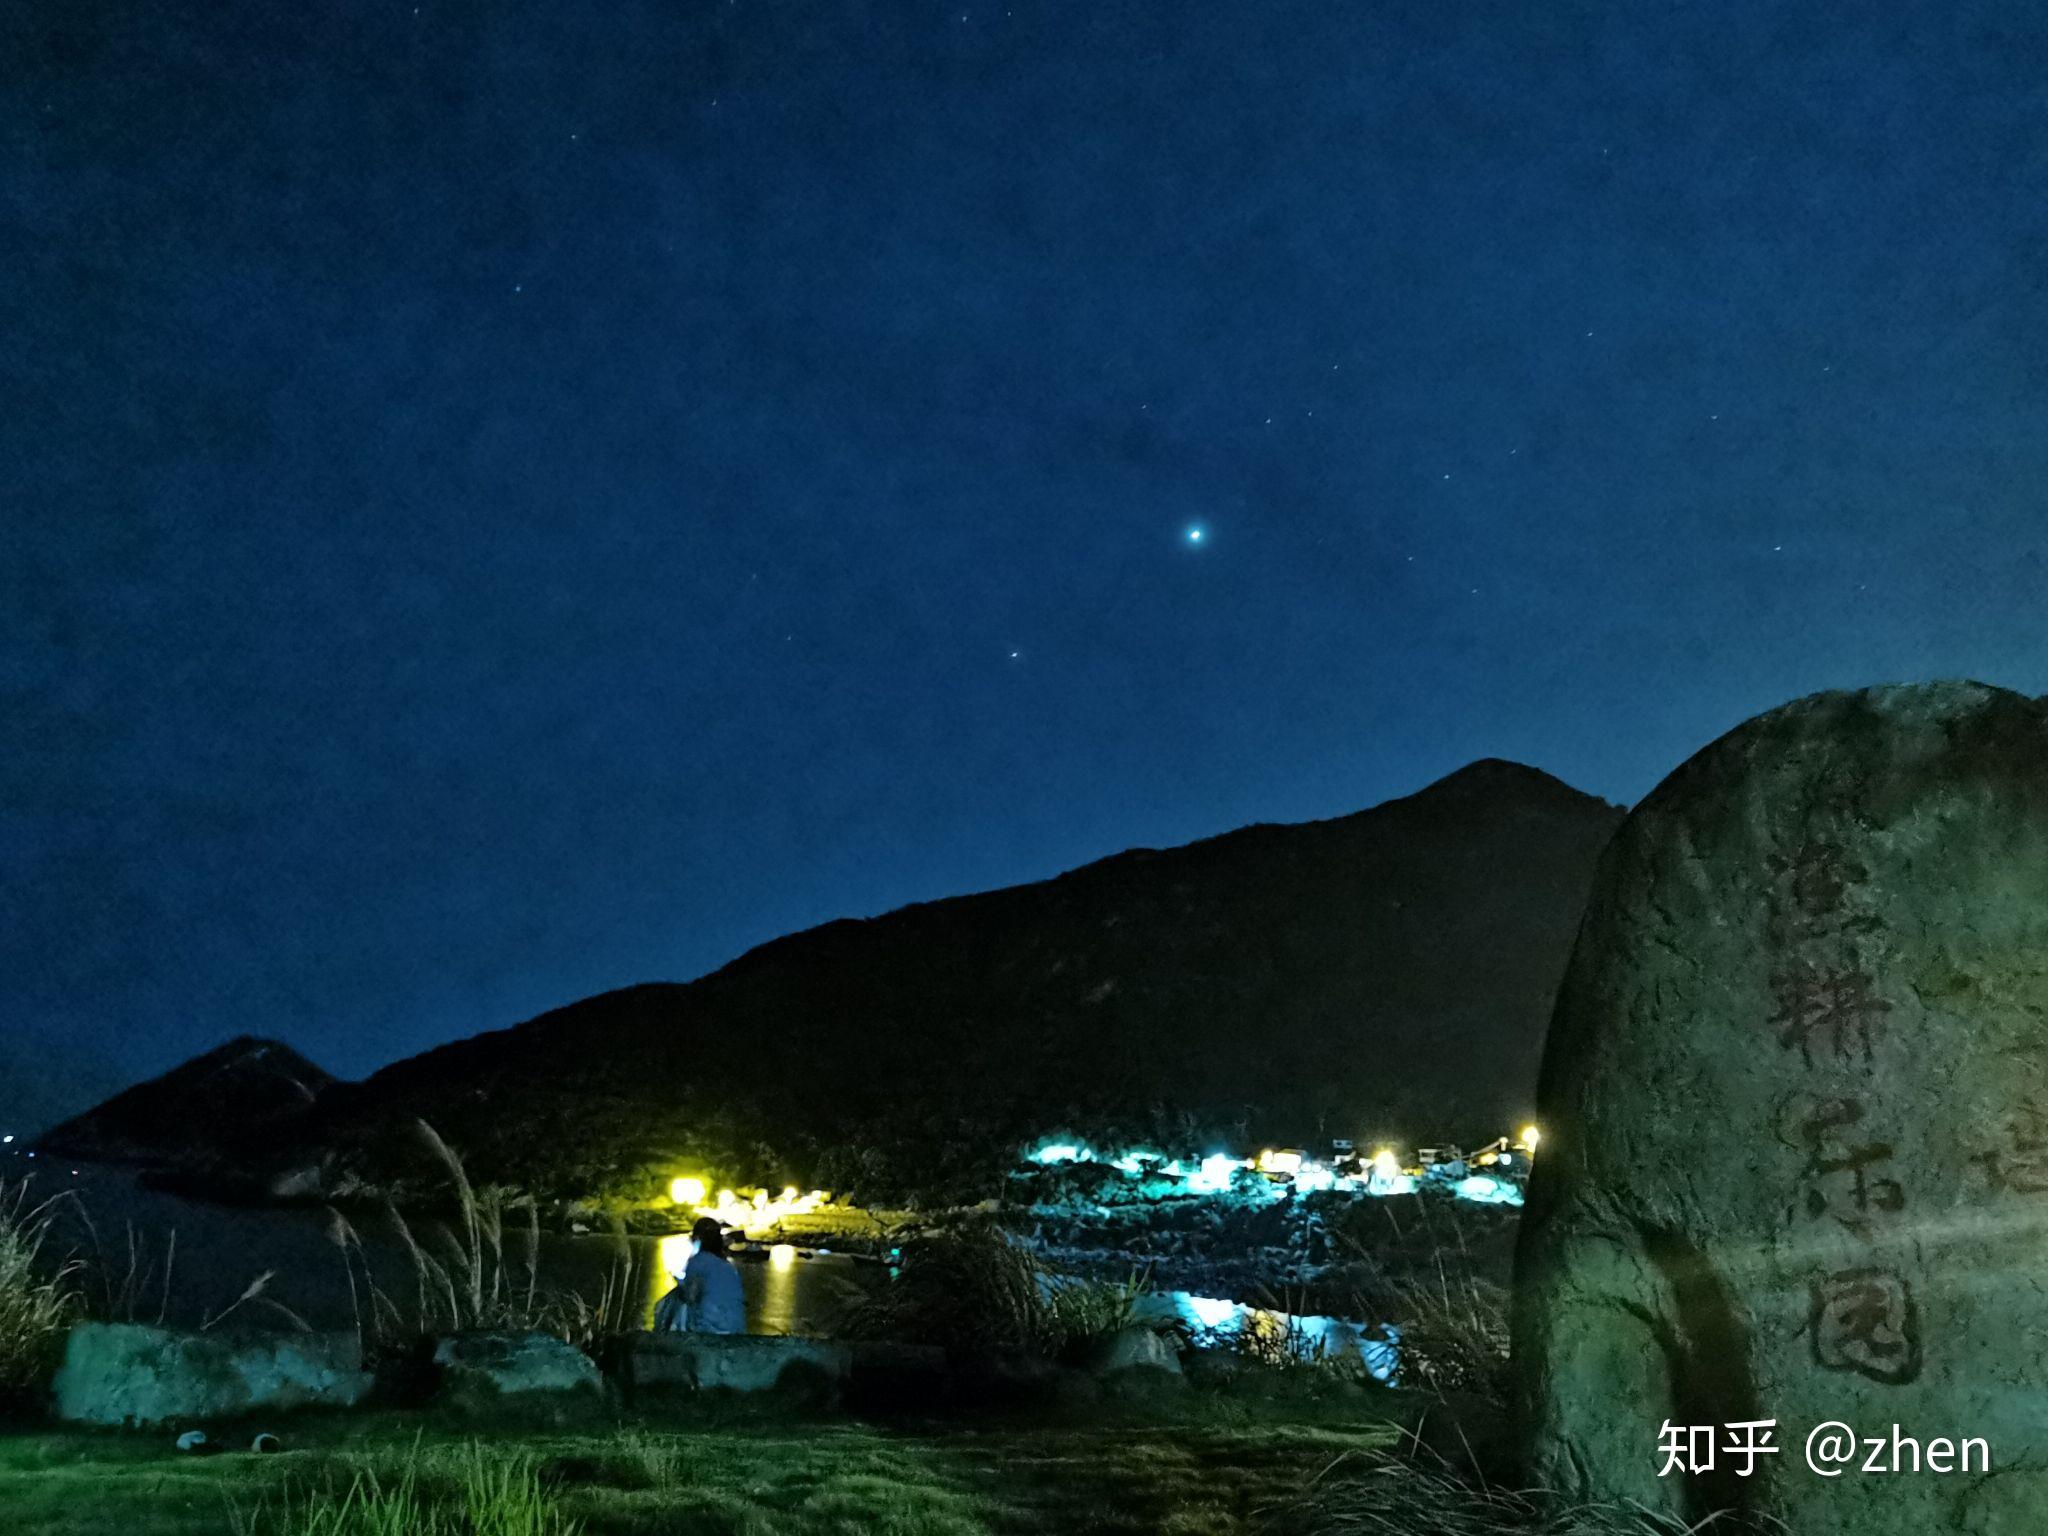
[(1834, 1008), (1863, 1321)]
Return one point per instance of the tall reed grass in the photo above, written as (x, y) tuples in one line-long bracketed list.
[(479, 1269), (39, 1298)]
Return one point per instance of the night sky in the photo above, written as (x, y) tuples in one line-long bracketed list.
[(502, 501)]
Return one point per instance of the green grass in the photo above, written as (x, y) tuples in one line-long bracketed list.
[(1207, 1469)]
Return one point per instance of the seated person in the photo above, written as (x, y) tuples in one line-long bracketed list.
[(707, 1296)]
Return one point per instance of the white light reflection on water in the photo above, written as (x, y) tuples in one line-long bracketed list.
[(784, 1291)]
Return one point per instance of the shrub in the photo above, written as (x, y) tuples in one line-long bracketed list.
[(973, 1290), (1447, 1295)]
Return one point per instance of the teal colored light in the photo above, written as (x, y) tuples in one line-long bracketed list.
[(1216, 1172), (1313, 1177), (1486, 1190)]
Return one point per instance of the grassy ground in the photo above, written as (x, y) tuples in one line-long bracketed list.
[(1209, 1470)]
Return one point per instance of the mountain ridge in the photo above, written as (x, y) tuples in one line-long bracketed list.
[(1278, 980)]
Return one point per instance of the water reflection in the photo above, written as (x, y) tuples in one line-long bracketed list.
[(785, 1292), (772, 1307), (673, 1253), (221, 1248)]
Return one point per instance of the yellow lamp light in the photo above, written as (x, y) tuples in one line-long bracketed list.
[(781, 1256), (1286, 1162), (686, 1191), (1530, 1136), (1385, 1164), (675, 1253)]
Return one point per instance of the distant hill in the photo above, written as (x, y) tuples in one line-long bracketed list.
[(248, 1085), (45, 1079), (1386, 972)]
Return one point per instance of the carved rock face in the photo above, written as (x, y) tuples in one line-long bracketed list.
[(1795, 1114)]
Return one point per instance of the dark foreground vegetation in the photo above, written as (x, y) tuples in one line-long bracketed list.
[(1262, 1433), (1212, 1469)]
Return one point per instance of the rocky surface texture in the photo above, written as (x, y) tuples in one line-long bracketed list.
[(126, 1373), (481, 1369), (1795, 1104)]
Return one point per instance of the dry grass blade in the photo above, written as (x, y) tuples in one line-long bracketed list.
[(413, 1251), (254, 1289), (466, 1201), (1378, 1493), (39, 1299)]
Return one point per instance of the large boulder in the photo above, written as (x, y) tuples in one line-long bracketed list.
[(484, 1368), (126, 1373), (737, 1362), (1132, 1349), (1795, 1115)]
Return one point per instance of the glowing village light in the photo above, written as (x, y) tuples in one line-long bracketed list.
[(758, 1211), (782, 1256), (1060, 1152), (1216, 1172), (1312, 1177), (1530, 1136), (1210, 1311), (686, 1191), (1388, 1177), (1286, 1161)]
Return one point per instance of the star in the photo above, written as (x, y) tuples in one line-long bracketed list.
[(1197, 533)]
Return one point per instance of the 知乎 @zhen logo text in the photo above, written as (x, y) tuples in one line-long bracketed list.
[(1831, 1449)]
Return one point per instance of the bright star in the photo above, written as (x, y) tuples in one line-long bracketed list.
[(1195, 534)]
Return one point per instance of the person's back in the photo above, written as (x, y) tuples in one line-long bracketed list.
[(711, 1289)]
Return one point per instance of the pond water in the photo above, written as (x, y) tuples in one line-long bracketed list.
[(186, 1261)]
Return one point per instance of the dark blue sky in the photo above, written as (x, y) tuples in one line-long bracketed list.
[(504, 500)]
